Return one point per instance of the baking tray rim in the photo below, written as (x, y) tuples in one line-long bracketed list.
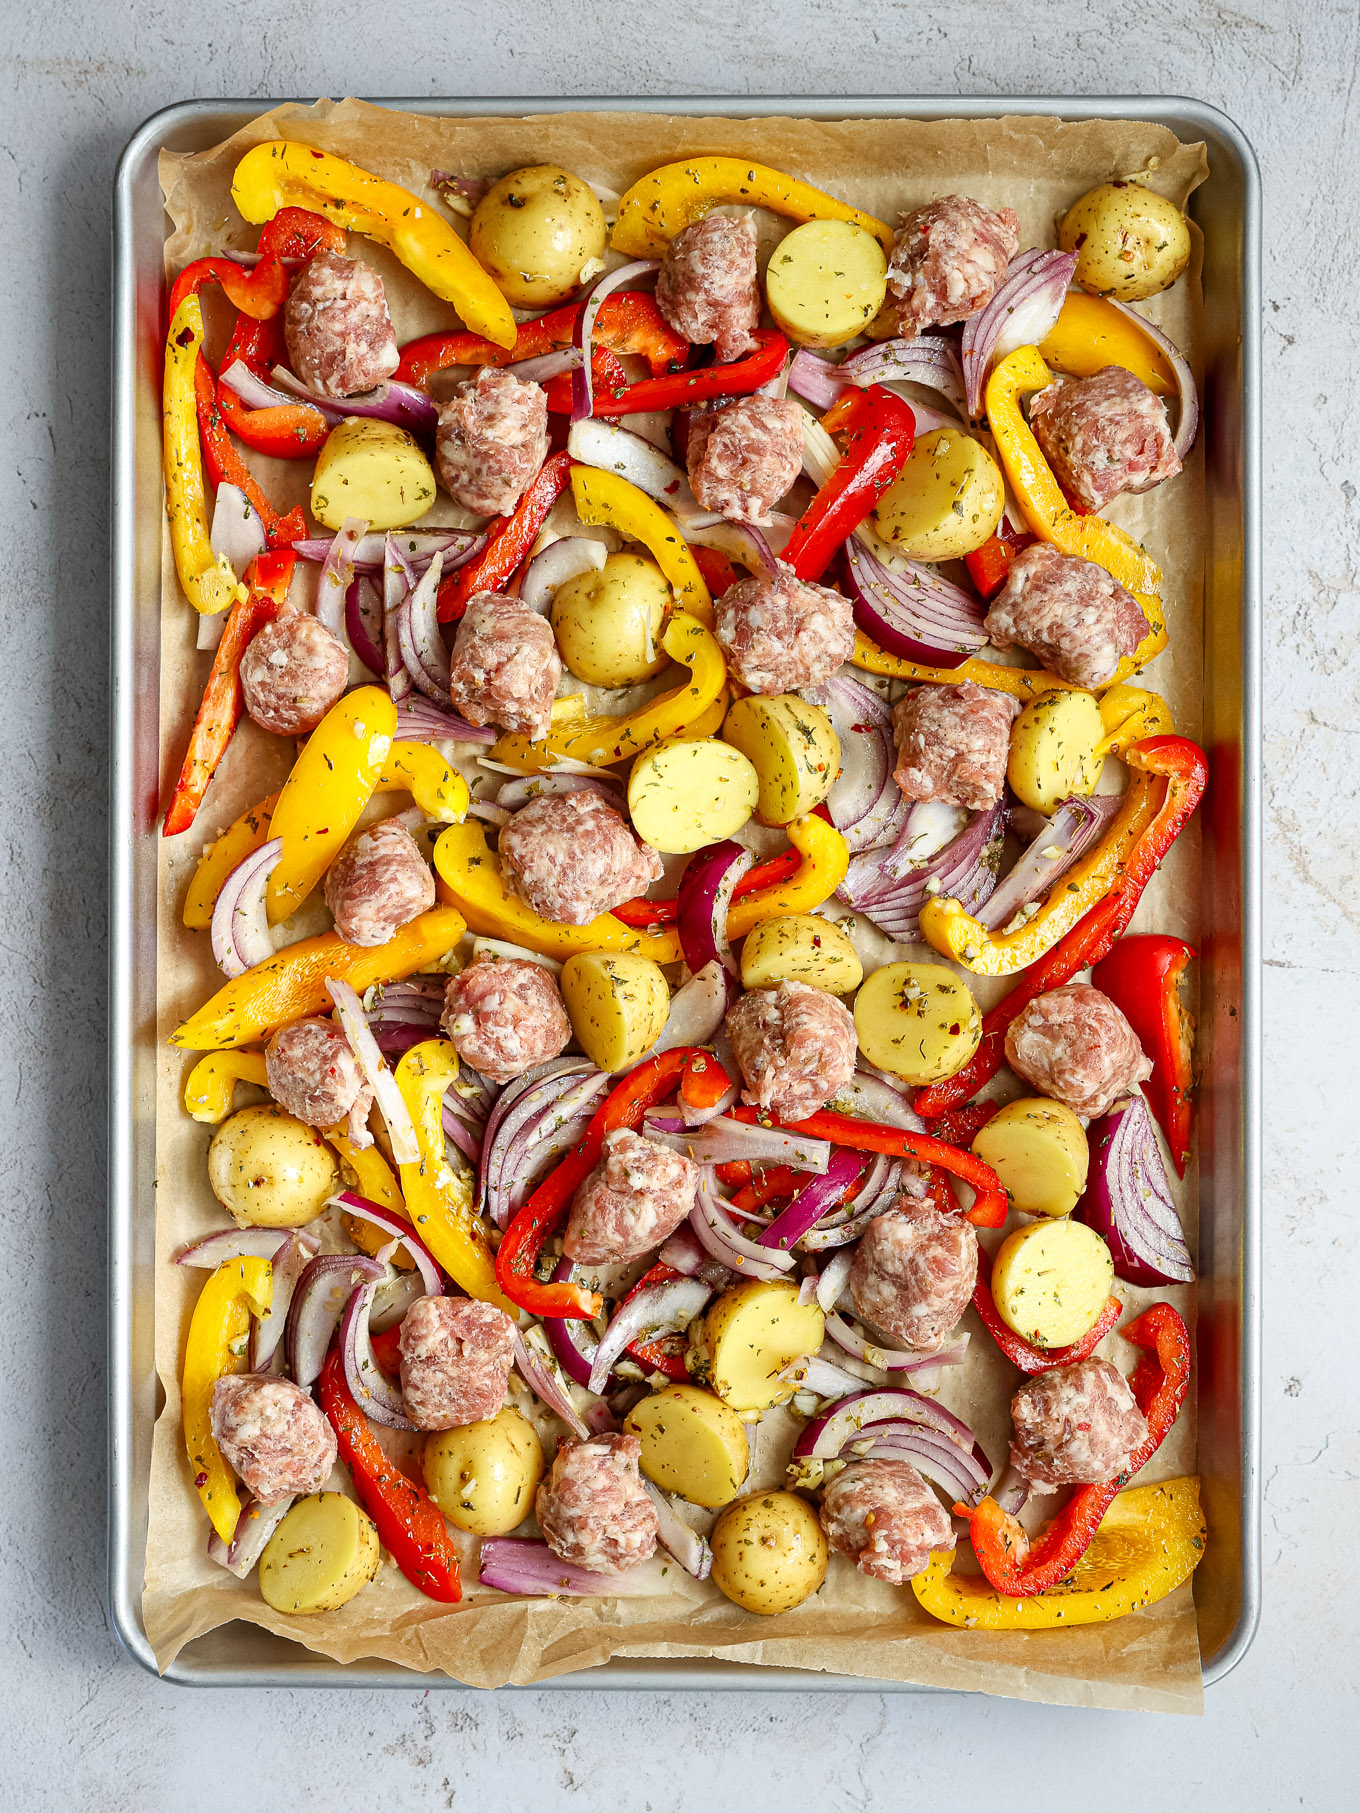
[(126, 1558)]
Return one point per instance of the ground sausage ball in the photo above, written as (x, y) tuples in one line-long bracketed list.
[(313, 1074), (593, 1509), (377, 884), (744, 458), (1075, 1425), (635, 1198), (708, 290), (505, 1015), (1069, 613), (795, 1046), (1104, 435), (782, 634), (491, 441), (913, 1274), (456, 1355), (336, 324), (952, 744), (948, 261), (292, 673), (572, 856), (1074, 1045), (884, 1516), (273, 1436), (505, 666)]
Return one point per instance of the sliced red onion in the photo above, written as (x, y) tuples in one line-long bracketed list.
[(242, 1243), (545, 366), (375, 1394), (397, 1229), (525, 787), (582, 386), (544, 1377), (656, 1309), (401, 404), (460, 193), (929, 359), (237, 531), (965, 871), (254, 1527), (512, 1093), (813, 1201), (524, 1126), (1187, 420), (867, 806), (1012, 1491), (741, 542), (682, 1252), (914, 614), (682, 1543), (461, 1137), (318, 1302), (890, 1359), (703, 900), (718, 1234), (240, 927), (963, 1475), (397, 582), (519, 953), (930, 828), (817, 380), (238, 377), (1021, 313), (884, 1412), (560, 561), (266, 1335), (349, 1012), (421, 999), (363, 624), (832, 1282), (419, 638), (337, 571), (817, 1374), (515, 1564), (1128, 1199), (1074, 828), (697, 1010), (609, 448), (870, 1096), (419, 721), (418, 546), (722, 1141), (572, 1338)]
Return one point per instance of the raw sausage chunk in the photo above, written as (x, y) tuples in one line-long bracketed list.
[(505, 666), (1104, 435), (1075, 1045), (913, 1274), (952, 744), (456, 1355), (292, 673), (1069, 613), (492, 439), (742, 459), (795, 1046), (884, 1516), (571, 856), (636, 1197), (783, 634), (273, 1436), (337, 328), (949, 261), (313, 1074), (708, 290), (505, 1015), (593, 1509), (377, 884), (1075, 1425)]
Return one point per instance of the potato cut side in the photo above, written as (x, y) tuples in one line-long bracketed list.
[(682, 795), (1038, 1149), (946, 501), (825, 282), (617, 1005), (917, 1020), (1051, 1280), (323, 1553), (800, 947), (374, 470), (794, 749), (750, 1336), (692, 1444)]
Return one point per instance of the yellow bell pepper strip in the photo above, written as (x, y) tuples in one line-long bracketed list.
[(1130, 715), (1023, 683), (1091, 333), (211, 1087), (470, 878), (438, 1202), (1149, 1542), (292, 983), (216, 1347), (208, 581), (323, 798), (239, 840), (282, 173), (374, 1179), (419, 769), (604, 740), (605, 499), (821, 872), (669, 199)]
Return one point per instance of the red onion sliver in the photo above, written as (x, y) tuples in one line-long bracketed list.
[(914, 614), (542, 1374), (240, 927), (242, 1243), (1128, 1198), (608, 447), (867, 806), (741, 542), (369, 1385), (560, 561), (818, 381), (238, 377), (1021, 313), (514, 1564), (397, 582), (582, 384), (363, 607), (1187, 421), (718, 1234), (337, 570), (237, 531), (520, 791), (697, 1010), (420, 721), (318, 1303), (350, 1013), (399, 1229), (813, 1201), (654, 1310), (256, 1524), (722, 1141), (685, 1545), (884, 1409), (929, 359), (401, 404), (266, 1335), (704, 897), (1075, 826)]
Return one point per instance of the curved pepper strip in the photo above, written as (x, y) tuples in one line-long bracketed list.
[(1024, 1354), (260, 293), (211, 1088), (238, 841), (419, 769), (989, 1211), (1019, 1568), (608, 500), (683, 388), (1149, 1542), (471, 879), (672, 197), (292, 983), (1090, 333), (540, 1217), (224, 465), (272, 175), (438, 1203), (989, 566), (663, 1353), (628, 322), (322, 799), (373, 1179), (207, 579), (825, 860), (410, 1525), (285, 431), (645, 912), (881, 432), (1142, 977), (603, 741), (216, 1347), (508, 542)]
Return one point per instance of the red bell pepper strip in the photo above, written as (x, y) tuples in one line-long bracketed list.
[(1019, 1568), (410, 1525), (609, 378), (547, 1208), (1141, 976), (717, 569), (267, 580), (259, 293), (628, 322), (508, 542), (299, 233), (1023, 1353), (682, 388), (663, 1353), (386, 1350), (962, 1126), (704, 1082), (989, 1211), (881, 432), (1094, 935), (644, 912), (764, 1186), (989, 566), (222, 462), (290, 431)]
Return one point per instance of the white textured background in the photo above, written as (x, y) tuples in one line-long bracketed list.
[(86, 1728)]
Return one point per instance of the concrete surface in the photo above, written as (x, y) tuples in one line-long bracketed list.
[(84, 1727)]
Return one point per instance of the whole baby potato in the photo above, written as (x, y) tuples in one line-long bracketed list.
[(535, 231), (483, 1476), (946, 501), (269, 1170), (769, 1553), (1130, 243), (1055, 749), (608, 623)]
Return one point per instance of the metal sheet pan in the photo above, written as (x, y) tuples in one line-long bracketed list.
[(1227, 209)]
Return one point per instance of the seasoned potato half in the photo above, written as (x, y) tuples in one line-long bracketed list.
[(617, 1006), (374, 470), (917, 1020), (683, 795), (483, 1476), (825, 281), (691, 1444), (323, 1553), (946, 501), (1051, 1280), (1038, 1149), (749, 1336), (794, 749), (769, 1553), (608, 623), (535, 232), (800, 947), (1130, 243), (1054, 751), (269, 1170)]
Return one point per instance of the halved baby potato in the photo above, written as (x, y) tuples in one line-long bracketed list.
[(946, 501), (825, 280), (917, 1020), (1038, 1149), (749, 1337), (692, 1444), (374, 470), (800, 947), (1051, 1280), (323, 1553), (1055, 749), (794, 749), (617, 1005), (683, 795)]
